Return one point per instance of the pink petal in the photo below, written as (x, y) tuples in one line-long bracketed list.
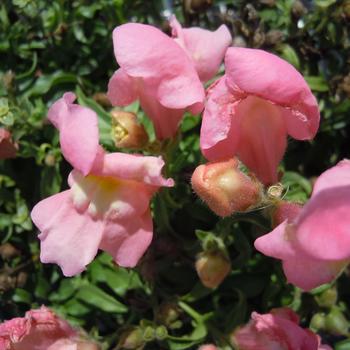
[(324, 225), (206, 48), (146, 169), (337, 176), (127, 241), (145, 52), (263, 137), (265, 75), (78, 127), (278, 243), (307, 273), (220, 126), (165, 120), (109, 198), (38, 330), (68, 238), (121, 89)]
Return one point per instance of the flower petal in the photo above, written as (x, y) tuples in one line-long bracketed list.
[(324, 224), (79, 149), (128, 240), (206, 48), (263, 137), (220, 127), (121, 89), (307, 273), (265, 75), (145, 52), (337, 176), (136, 167), (68, 238)]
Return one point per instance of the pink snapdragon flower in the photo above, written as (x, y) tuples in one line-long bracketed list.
[(8, 148), (250, 111), (277, 330), (107, 205), (205, 48), (163, 73), (41, 329), (314, 245)]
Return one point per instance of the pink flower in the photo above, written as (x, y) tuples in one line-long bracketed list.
[(39, 330), (277, 330), (8, 148), (314, 246), (158, 72), (107, 205), (205, 48), (253, 107)]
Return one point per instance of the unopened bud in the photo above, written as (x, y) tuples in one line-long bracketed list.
[(336, 323), (212, 268), (131, 339), (8, 148), (285, 211), (318, 322), (102, 99), (225, 188), (346, 8), (194, 6), (161, 333), (168, 313), (273, 37), (50, 160), (127, 132), (298, 8), (8, 251), (328, 298)]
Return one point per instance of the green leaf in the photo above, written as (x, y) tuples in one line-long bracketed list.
[(96, 297), (318, 84)]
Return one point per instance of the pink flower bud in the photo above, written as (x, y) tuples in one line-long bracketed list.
[(225, 188), (127, 132), (212, 268), (285, 211), (8, 148)]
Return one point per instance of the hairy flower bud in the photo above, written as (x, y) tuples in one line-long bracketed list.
[(8, 148), (212, 268), (225, 188), (127, 132), (131, 339), (207, 347), (193, 6)]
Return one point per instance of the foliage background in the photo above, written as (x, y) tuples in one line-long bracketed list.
[(49, 47)]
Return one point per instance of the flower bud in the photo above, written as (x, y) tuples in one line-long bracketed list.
[(8, 148), (8, 251), (318, 322), (127, 132), (167, 314), (212, 268), (131, 339), (225, 188), (194, 6), (328, 298), (285, 211), (336, 323), (102, 99)]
